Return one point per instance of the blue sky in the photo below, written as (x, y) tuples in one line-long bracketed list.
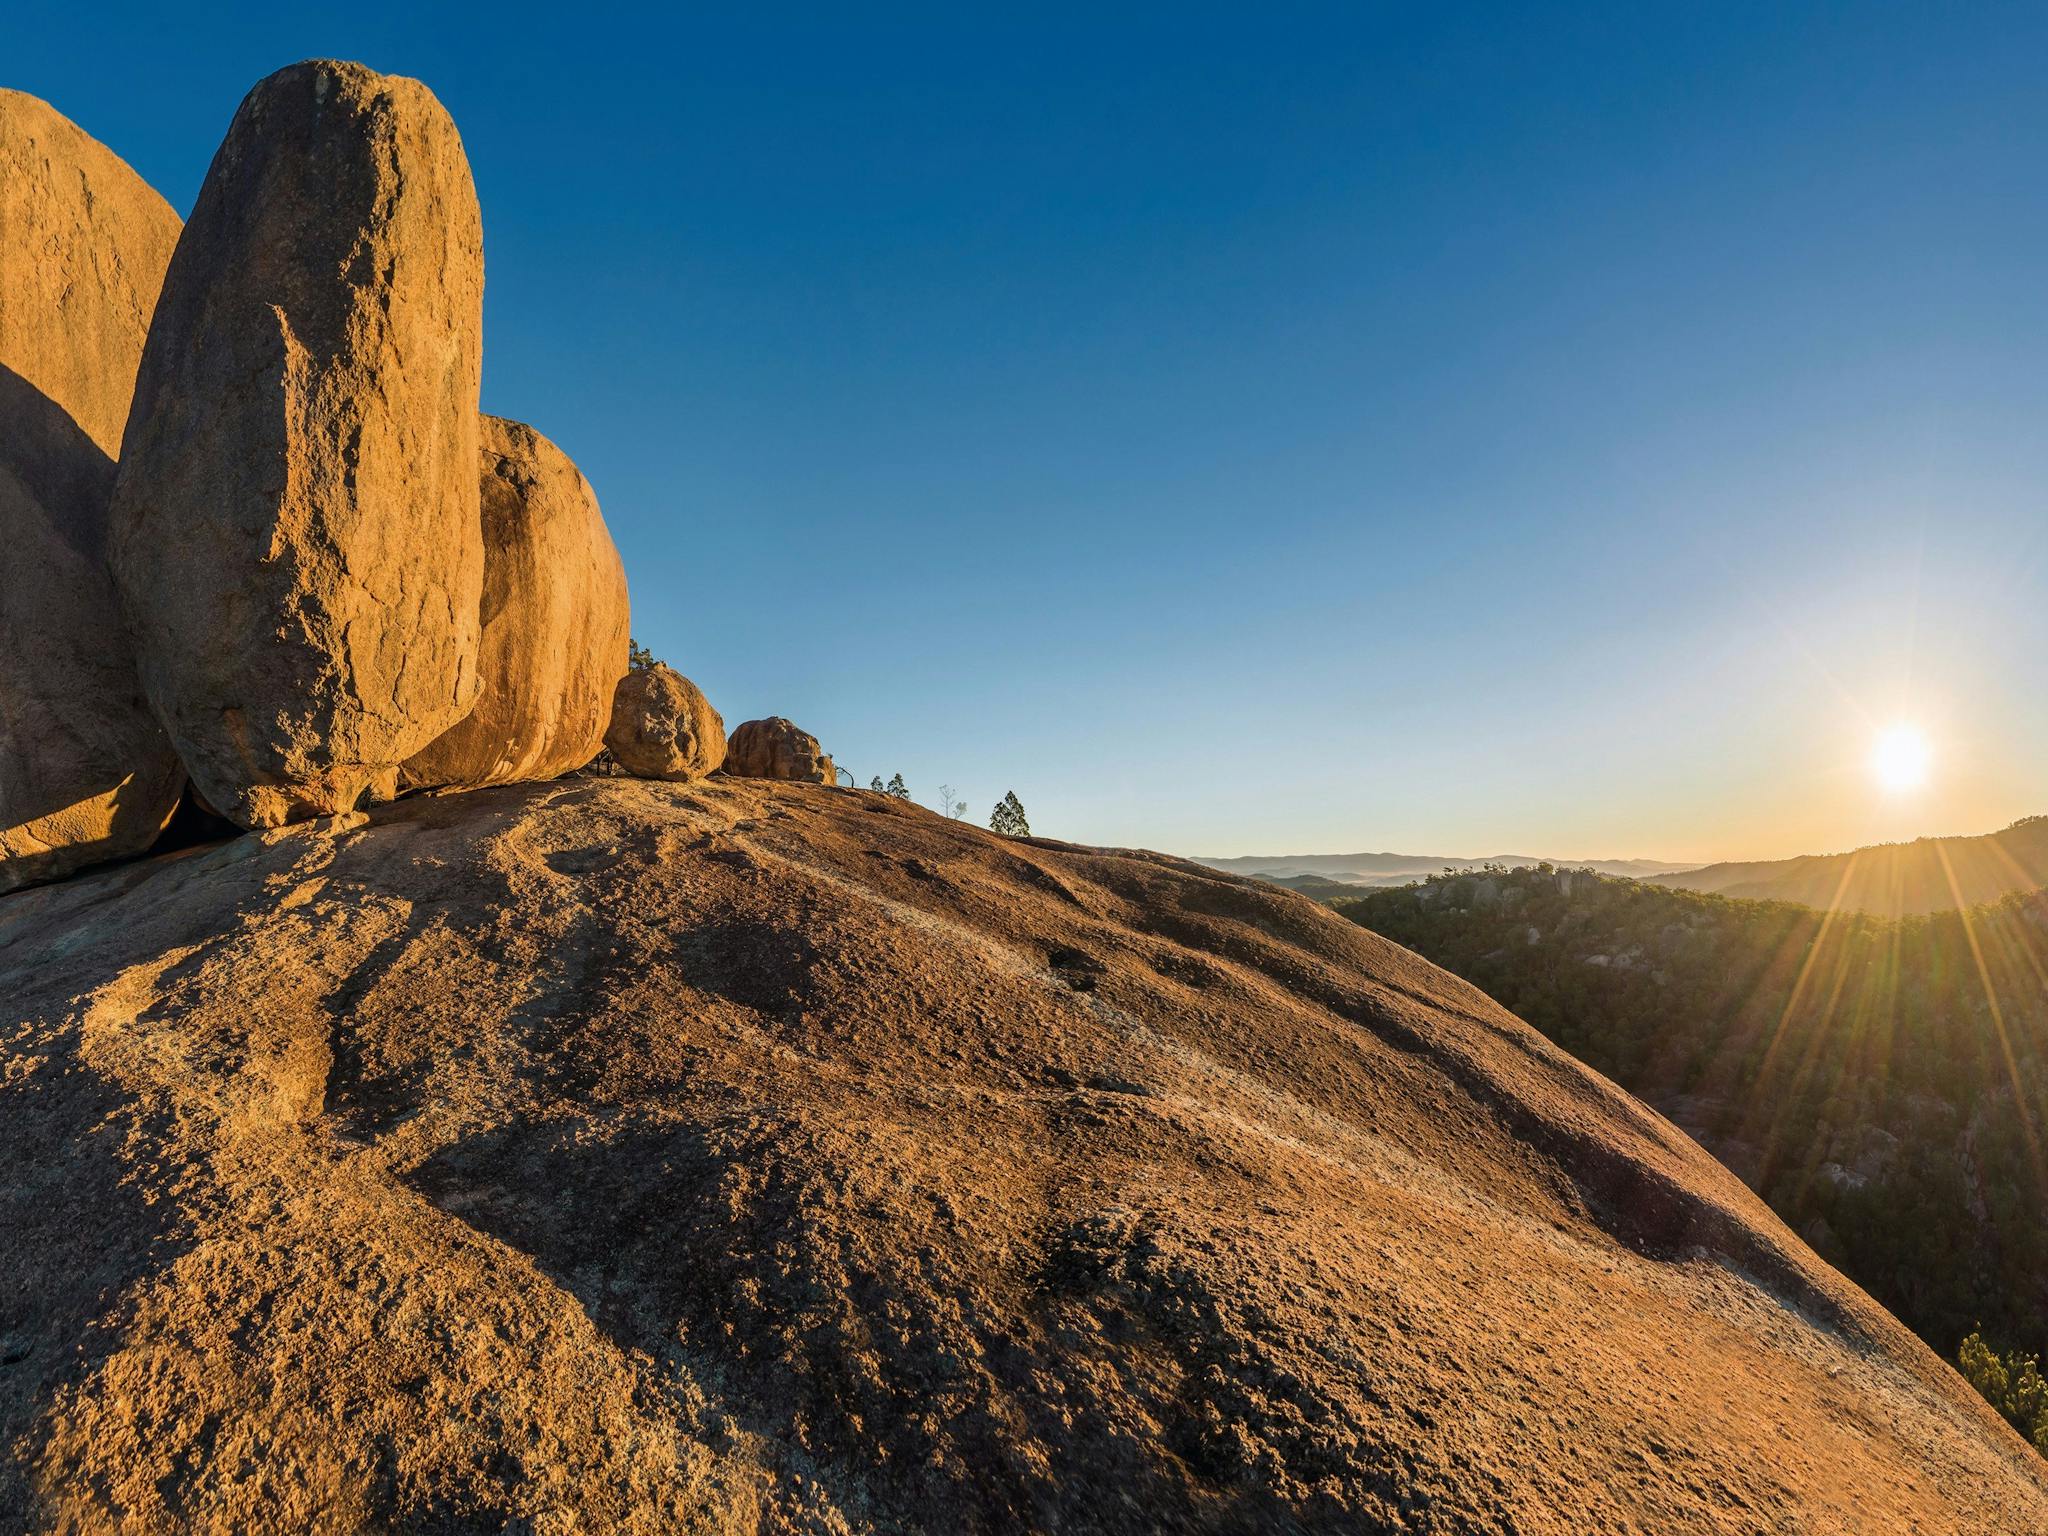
[(1569, 430)]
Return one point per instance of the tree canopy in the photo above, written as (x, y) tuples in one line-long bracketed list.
[(1008, 817)]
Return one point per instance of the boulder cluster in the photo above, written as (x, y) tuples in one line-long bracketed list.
[(262, 548)]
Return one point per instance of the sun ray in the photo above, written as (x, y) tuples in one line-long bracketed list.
[(2012, 1066), (1832, 911), (1770, 1133)]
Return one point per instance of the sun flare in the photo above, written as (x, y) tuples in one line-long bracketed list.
[(1899, 758)]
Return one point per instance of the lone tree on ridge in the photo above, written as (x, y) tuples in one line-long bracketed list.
[(1008, 817)]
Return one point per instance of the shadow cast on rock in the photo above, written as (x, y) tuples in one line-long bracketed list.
[(81, 1229), (50, 455), (761, 1254)]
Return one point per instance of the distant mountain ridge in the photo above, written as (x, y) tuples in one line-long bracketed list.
[(1379, 869), (1929, 874)]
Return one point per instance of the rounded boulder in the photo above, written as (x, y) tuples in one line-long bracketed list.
[(776, 748), (555, 623), (663, 727)]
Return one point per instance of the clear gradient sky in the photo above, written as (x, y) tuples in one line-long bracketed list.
[(1454, 429)]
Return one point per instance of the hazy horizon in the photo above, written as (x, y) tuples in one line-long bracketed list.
[(1574, 857), (1358, 428)]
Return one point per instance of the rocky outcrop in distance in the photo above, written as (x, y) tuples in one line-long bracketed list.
[(86, 773), (750, 1156), (776, 749), (296, 536), (663, 727)]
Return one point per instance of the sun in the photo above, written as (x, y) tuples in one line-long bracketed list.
[(1899, 758)]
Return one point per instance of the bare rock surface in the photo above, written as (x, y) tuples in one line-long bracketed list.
[(556, 625), (662, 726), (736, 1157), (295, 533), (86, 774), (776, 749)]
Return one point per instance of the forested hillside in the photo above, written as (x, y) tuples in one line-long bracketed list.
[(1929, 874), (1880, 1082)]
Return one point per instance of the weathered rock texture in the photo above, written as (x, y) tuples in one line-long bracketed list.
[(555, 622), (296, 538), (775, 749), (747, 1157), (663, 727), (85, 771)]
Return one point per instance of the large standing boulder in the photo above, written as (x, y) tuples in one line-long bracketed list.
[(663, 727), (85, 772), (295, 530), (555, 623), (775, 749)]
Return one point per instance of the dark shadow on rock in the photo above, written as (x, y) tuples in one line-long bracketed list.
[(712, 1239), (730, 1245), (75, 726), (78, 1233), (192, 825), (764, 967), (56, 463)]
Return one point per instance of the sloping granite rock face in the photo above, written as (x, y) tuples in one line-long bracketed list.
[(86, 773), (556, 624), (752, 1157), (296, 537)]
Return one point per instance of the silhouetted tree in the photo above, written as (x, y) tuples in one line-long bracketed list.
[(877, 785), (898, 788), (639, 658), (1008, 817), (948, 806)]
